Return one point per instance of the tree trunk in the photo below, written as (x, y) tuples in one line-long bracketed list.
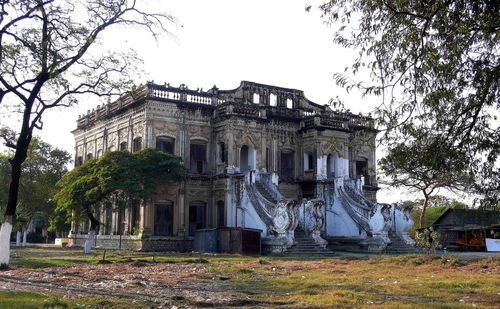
[(18, 238), (424, 208), (5, 231), (10, 211), (25, 237)]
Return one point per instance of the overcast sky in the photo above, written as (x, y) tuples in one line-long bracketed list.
[(223, 42)]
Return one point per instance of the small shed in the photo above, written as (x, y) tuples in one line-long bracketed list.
[(467, 229), (239, 240), (228, 240), (206, 240)]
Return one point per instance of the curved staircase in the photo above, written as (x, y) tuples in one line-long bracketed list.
[(306, 247), (397, 245)]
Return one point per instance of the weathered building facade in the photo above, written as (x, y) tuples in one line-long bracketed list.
[(255, 155)]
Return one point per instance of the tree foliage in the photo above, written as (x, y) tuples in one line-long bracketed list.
[(437, 205), (426, 165), (48, 57), (44, 166), (117, 179), (437, 66)]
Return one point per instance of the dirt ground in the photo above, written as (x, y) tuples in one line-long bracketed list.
[(219, 282), (186, 283)]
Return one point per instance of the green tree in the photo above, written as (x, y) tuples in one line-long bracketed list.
[(437, 205), (119, 179), (48, 57), (436, 65), (426, 165), (43, 167)]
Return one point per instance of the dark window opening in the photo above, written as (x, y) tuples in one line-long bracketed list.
[(164, 223), (78, 161), (362, 171), (267, 159), (221, 148), (135, 218), (137, 145), (123, 146), (165, 144), (287, 166), (89, 156), (220, 214), (198, 159), (308, 162), (197, 217)]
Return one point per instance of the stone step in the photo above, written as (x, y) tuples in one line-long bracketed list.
[(397, 245), (265, 193)]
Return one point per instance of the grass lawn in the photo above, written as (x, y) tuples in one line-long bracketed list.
[(24, 300), (384, 282)]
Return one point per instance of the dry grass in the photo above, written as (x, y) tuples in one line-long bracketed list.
[(389, 282)]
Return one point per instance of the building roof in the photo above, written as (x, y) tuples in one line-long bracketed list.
[(463, 217)]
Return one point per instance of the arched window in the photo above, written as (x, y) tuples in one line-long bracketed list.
[(289, 103), (137, 145), (256, 98), (89, 156), (165, 144), (123, 146), (247, 158), (273, 99)]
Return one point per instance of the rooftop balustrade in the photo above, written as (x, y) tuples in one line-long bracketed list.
[(226, 104)]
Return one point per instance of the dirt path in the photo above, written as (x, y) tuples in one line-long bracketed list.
[(187, 285)]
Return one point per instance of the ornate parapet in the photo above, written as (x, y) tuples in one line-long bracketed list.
[(315, 220), (380, 222), (403, 222), (282, 228)]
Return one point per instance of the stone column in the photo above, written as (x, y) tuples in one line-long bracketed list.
[(181, 218)]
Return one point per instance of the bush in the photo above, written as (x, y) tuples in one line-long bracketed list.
[(428, 240)]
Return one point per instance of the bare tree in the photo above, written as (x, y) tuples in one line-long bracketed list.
[(48, 57)]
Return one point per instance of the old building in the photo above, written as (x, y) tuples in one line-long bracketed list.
[(259, 156)]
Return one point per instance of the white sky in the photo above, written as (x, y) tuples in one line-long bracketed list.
[(223, 42)]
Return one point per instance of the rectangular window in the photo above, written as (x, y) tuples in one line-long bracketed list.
[(287, 166), (197, 216), (165, 144), (198, 158), (308, 162), (79, 161), (164, 223), (220, 214), (267, 160)]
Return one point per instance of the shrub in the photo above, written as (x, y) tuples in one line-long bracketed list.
[(428, 240)]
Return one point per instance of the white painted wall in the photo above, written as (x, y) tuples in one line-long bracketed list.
[(251, 217), (321, 172), (340, 224)]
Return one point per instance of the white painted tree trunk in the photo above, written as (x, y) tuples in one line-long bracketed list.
[(89, 242), (5, 231), (18, 239), (25, 237)]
